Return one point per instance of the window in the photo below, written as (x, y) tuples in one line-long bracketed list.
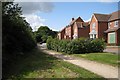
[(93, 36), (116, 23), (75, 36), (108, 25), (93, 26), (111, 37)]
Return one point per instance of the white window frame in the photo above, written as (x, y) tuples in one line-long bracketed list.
[(116, 24)]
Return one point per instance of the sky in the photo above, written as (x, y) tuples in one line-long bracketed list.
[(56, 15)]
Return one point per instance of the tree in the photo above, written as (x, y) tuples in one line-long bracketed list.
[(43, 33), (17, 34)]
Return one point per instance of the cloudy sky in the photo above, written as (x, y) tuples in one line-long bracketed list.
[(57, 15)]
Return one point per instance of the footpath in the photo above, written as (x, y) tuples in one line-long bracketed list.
[(103, 70)]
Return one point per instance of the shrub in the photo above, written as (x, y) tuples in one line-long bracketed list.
[(76, 46), (97, 45)]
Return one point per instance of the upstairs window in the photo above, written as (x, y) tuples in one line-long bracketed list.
[(93, 26), (108, 25), (116, 23)]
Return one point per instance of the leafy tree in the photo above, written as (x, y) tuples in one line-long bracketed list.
[(17, 34), (43, 33)]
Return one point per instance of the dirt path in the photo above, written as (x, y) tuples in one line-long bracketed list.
[(103, 70)]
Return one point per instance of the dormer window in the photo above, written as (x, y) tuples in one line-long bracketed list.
[(116, 24), (93, 26)]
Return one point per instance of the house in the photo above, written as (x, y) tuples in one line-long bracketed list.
[(82, 29), (77, 28), (113, 31), (106, 26), (98, 24), (61, 34)]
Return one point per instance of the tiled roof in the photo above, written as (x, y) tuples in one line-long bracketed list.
[(114, 15), (112, 29), (75, 20), (86, 24), (108, 17), (102, 17), (82, 24)]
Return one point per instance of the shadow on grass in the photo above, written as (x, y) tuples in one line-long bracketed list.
[(36, 61)]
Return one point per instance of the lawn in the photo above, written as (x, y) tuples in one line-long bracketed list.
[(42, 65), (106, 58)]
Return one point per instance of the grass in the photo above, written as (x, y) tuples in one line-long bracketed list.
[(106, 58), (41, 65)]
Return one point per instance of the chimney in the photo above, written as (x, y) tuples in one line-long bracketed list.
[(72, 19)]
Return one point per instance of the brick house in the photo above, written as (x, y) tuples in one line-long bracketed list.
[(83, 29), (73, 27), (61, 34), (98, 24), (76, 29), (106, 26), (113, 31)]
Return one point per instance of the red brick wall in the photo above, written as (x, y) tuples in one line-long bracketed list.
[(102, 26), (118, 37), (96, 25), (68, 32), (118, 33), (75, 29), (84, 32), (62, 34), (112, 24)]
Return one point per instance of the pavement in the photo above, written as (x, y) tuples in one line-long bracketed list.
[(103, 70)]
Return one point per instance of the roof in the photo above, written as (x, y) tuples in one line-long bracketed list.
[(82, 24), (114, 16), (112, 29), (107, 17), (86, 23), (102, 17), (76, 20)]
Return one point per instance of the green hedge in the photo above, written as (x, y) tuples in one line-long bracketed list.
[(76, 46)]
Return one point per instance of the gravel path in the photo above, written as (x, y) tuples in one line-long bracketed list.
[(103, 70)]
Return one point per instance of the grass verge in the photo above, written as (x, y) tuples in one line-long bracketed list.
[(42, 65), (106, 58)]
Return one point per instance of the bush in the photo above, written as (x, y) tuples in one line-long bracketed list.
[(76, 46)]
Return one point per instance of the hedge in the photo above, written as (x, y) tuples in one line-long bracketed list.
[(76, 46)]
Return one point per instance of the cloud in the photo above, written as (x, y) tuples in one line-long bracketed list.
[(34, 7), (34, 21), (31, 9)]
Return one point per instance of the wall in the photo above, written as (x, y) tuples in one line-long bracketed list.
[(68, 32), (84, 32), (102, 26), (94, 20)]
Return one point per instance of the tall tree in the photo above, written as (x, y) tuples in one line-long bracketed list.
[(17, 34), (43, 33)]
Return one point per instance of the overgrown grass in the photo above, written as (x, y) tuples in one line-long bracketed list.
[(41, 65), (106, 58)]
